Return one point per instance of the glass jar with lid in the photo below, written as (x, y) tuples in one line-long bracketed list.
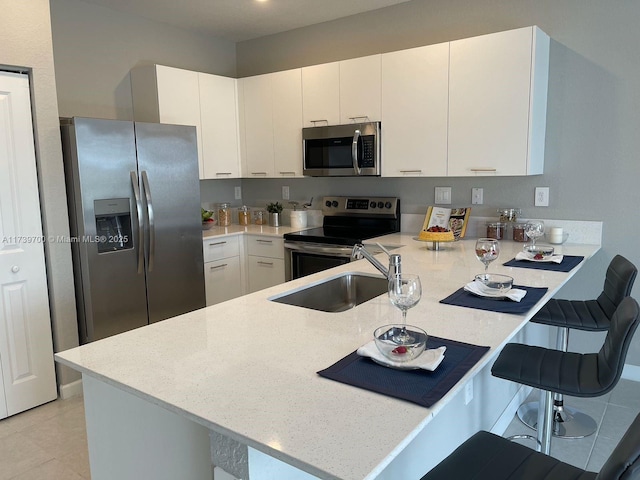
[(258, 217), (224, 214), (509, 214), (244, 215), (496, 230)]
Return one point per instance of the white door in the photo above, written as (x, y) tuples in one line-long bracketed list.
[(26, 351)]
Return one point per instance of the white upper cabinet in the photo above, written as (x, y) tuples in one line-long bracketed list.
[(257, 158), (415, 85), (360, 89), (271, 124), (321, 94), (172, 95), (219, 126), (497, 103), (287, 122)]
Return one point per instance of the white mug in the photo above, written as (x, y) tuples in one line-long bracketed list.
[(555, 235)]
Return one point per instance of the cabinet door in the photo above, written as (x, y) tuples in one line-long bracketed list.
[(321, 94), (415, 86), (219, 121), (360, 89), (222, 280), (179, 101), (489, 104), (27, 372), (265, 272), (258, 158), (286, 88)]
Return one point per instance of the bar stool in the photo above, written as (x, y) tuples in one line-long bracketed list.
[(587, 315), (577, 374), (486, 456)]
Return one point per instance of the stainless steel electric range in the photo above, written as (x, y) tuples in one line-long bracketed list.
[(346, 222)]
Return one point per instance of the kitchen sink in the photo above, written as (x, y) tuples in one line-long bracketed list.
[(336, 294)]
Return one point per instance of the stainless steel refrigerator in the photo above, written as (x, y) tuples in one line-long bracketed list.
[(136, 230)]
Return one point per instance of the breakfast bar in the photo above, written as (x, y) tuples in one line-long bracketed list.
[(236, 386)]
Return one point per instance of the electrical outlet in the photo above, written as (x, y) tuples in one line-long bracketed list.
[(285, 193), (477, 196), (542, 197), (468, 392), (443, 195), (238, 193)]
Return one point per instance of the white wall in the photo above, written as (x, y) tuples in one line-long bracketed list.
[(96, 47), (25, 41)]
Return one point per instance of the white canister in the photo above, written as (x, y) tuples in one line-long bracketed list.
[(298, 219), (555, 235)]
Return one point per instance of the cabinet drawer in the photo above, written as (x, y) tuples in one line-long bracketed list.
[(222, 280), (265, 272), (216, 248), (264, 246)]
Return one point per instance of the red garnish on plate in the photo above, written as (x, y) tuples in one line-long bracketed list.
[(401, 350)]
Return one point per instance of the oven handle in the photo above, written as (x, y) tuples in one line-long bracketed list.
[(354, 152), (319, 248)]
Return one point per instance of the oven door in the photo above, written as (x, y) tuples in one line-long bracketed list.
[(305, 258)]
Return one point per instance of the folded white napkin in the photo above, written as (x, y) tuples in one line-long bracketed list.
[(529, 256), (427, 360), (478, 288)]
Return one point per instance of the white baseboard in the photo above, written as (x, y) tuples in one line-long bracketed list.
[(69, 390), (506, 418)]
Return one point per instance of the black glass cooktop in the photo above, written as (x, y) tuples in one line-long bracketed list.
[(336, 235)]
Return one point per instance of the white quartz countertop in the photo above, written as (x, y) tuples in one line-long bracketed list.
[(246, 368), (250, 230)]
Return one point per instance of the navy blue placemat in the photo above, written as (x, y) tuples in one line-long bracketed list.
[(462, 298), (418, 386), (568, 263)]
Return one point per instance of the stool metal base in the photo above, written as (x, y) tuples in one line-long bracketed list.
[(568, 423)]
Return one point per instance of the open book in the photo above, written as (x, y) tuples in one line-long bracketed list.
[(446, 223)]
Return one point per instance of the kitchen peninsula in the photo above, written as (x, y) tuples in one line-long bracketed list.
[(245, 370)]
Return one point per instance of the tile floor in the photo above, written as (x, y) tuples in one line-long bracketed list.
[(50, 442)]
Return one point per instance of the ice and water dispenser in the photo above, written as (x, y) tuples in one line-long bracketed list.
[(113, 224)]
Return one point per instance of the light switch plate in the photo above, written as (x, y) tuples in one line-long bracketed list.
[(542, 197), (238, 193), (285, 193), (443, 195), (477, 196)]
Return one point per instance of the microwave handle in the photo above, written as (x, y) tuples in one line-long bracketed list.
[(354, 151)]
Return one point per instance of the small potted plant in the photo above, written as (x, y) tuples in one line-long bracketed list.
[(274, 209)]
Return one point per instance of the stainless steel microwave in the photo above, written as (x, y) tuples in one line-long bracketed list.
[(342, 150)]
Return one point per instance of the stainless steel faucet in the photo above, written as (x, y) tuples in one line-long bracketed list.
[(395, 260)]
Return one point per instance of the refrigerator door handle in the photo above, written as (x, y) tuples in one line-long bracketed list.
[(152, 230), (136, 194)]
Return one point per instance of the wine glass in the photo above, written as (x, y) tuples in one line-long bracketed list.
[(533, 230), (487, 250), (405, 291)]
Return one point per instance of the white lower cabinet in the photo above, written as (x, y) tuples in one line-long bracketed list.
[(222, 270), (265, 262)]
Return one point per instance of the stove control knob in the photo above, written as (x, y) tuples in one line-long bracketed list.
[(380, 204), (334, 204), (387, 205), (372, 204), (327, 203)]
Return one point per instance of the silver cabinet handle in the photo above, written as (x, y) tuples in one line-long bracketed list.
[(150, 216), (136, 195), (270, 264), (483, 169), (222, 265), (222, 173), (410, 171), (354, 151), (259, 240), (366, 117), (287, 173), (319, 121), (216, 243), (15, 269)]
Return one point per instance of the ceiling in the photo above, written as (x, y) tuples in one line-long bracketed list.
[(238, 20)]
